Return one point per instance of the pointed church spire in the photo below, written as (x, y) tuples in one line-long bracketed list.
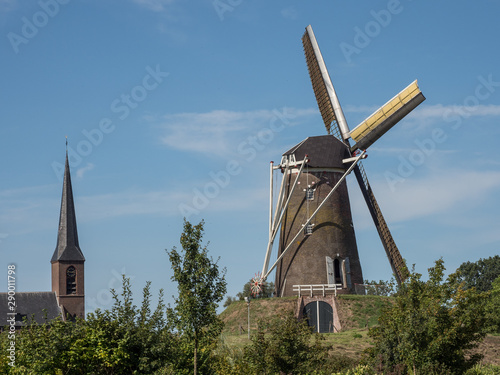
[(68, 248)]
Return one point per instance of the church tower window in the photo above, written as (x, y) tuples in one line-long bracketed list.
[(71, 280)]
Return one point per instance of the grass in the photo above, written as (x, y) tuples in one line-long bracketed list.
[(351, 343), (354, 311), (361, 311), (357, 315), (235, 316)]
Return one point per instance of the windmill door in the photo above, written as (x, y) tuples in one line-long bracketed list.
[(319, 315)]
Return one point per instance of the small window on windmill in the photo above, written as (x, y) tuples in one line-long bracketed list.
[(308, 229), (310, 193)]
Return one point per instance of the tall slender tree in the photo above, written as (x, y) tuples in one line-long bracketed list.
[(201, 287)]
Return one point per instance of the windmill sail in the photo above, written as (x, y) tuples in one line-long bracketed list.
[(371, 129), (328, 103), (365, 134), (395, 259)]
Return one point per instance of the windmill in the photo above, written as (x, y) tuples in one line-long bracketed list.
[(317, 251)]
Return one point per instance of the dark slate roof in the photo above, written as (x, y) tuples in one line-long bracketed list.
[(27, 304), (67, 237), (324, 151)]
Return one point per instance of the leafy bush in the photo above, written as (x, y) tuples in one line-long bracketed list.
[(484, 370), (431, 326), (286, 348)]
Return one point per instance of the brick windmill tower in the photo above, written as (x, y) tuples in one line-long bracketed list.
[(317, 253)]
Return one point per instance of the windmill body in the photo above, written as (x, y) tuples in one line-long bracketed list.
[(317, 251), (326, 252)]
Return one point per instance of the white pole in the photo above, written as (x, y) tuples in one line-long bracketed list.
[(281, 210), (281, 193), (248, 304), (278, 205), (271, 201), (317, 316)]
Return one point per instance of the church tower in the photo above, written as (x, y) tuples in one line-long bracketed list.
[(68, 260)]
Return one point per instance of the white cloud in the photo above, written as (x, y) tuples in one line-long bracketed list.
[(441, 112), (290, 13), (438, 111), (13, 194), (368, 109), (7, 5), (81, 171), (425, 115), (402, 150), (37, 208), (176, 34), (26, 209), (166, 203), (219, 132), (446, 192), (154, 5), (127, 203), (447, 210)]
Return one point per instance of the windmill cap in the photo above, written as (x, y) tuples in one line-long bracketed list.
[(324, 151)]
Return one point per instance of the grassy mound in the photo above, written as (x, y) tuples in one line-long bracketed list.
[(356, 313)]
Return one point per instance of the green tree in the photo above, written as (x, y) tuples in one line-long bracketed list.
[(267, 291), (380, 288), (200, 286), (431, 325), (229, 300), (285, 345), (45, 348), (493, 307), (480, 274), (123, 340), (128, 338)]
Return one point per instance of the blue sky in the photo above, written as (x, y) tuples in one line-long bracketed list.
[(176, 108)]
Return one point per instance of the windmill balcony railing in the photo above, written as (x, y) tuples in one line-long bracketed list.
[(311, 288)]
